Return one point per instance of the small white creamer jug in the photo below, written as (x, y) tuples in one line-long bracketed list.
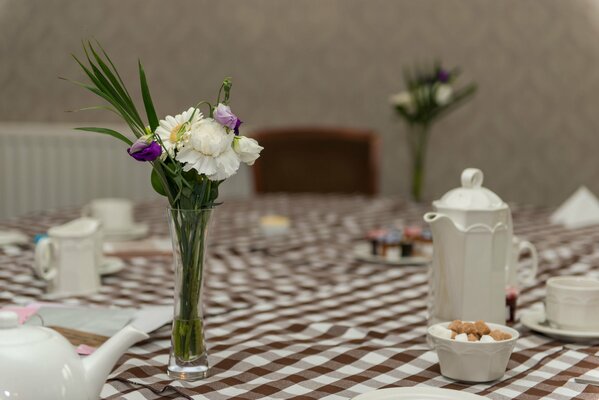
[(69, 258)]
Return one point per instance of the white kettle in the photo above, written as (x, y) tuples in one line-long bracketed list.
[(39, 363), (472, 242)]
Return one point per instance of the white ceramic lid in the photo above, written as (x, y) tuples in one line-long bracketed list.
[(472, 195), (12, 334)]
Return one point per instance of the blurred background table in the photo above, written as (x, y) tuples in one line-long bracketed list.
[(297, 316)]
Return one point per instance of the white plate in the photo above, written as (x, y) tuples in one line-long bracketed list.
[(535, 320), (362, 252), (418, 393), (111, 265), (137, 231), (12, 237)]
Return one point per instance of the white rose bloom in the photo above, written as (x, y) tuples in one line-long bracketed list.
[(443, 94), (208, 149), (403, 99), (247, 149), (172, 129)]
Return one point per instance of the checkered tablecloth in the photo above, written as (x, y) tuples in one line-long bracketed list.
[(298, 317)]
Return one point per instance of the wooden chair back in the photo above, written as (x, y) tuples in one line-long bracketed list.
[(317, 160)]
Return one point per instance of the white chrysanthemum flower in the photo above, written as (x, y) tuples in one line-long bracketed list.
[(208, 149), (173, 130), (247, 149), (403, 99), (443, 94)]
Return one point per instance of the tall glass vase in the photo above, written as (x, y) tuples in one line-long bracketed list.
[(418, 140), (188, 358)]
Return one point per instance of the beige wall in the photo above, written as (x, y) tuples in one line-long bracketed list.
[(532, 127)]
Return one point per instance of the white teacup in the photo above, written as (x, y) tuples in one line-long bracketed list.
[(572, 303), (116, 215), (69, 258)]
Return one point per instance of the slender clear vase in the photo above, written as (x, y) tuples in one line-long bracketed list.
[(418, 138), (188, 358)]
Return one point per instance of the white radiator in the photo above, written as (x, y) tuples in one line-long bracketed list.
[(48, 166)]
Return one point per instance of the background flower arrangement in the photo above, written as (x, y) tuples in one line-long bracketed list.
[(430, 94), (191, 155)]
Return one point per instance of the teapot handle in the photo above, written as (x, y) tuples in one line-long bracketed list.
[(472, 178), (44, 259)]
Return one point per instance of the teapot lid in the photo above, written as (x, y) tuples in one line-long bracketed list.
[(472, 195), (12, 334)]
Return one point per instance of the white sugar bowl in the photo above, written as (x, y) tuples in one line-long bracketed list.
[(473, 361)]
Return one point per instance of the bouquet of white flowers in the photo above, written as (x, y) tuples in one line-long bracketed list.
[(191, 155), (430, 94)]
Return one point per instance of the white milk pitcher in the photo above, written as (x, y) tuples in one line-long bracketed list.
[(69, 259)]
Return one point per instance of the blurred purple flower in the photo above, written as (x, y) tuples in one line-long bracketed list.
[(224, 116), (443, 75), (141, 150), (237, 124)]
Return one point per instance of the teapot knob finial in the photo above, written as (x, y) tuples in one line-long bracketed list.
[(472, 178)]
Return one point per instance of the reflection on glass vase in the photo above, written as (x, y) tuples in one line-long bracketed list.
[(188, 358)]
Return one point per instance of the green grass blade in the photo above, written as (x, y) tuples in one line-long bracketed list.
[(134, 123), (116, 72), (117, 84), (145, 93), (91, 108), (107, 131), (137, 128), (110, 76), (104, 85)]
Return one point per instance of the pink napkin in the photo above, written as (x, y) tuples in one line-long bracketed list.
[(24, 313), (85, 350)]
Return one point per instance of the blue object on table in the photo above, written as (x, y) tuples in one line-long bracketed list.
[(39, 237)]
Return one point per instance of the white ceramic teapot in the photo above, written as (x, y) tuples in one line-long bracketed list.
[(39, 363), (472, 239)]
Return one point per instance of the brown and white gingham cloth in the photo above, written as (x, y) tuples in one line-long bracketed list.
[(298, 317)]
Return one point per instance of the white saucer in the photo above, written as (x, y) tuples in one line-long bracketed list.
[(418, 393), (136, 231), (12, 237), (535, 320), (362, 252), (111, 265)]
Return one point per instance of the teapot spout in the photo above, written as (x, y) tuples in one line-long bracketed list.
[(438, 221), (98, 365)]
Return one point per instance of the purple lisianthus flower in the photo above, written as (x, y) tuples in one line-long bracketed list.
[(443, 75), (141, 150), (224, 116)]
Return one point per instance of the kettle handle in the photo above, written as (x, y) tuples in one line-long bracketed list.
[(472, 178)]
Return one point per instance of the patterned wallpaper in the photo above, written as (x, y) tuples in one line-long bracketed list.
[(532, 127)]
